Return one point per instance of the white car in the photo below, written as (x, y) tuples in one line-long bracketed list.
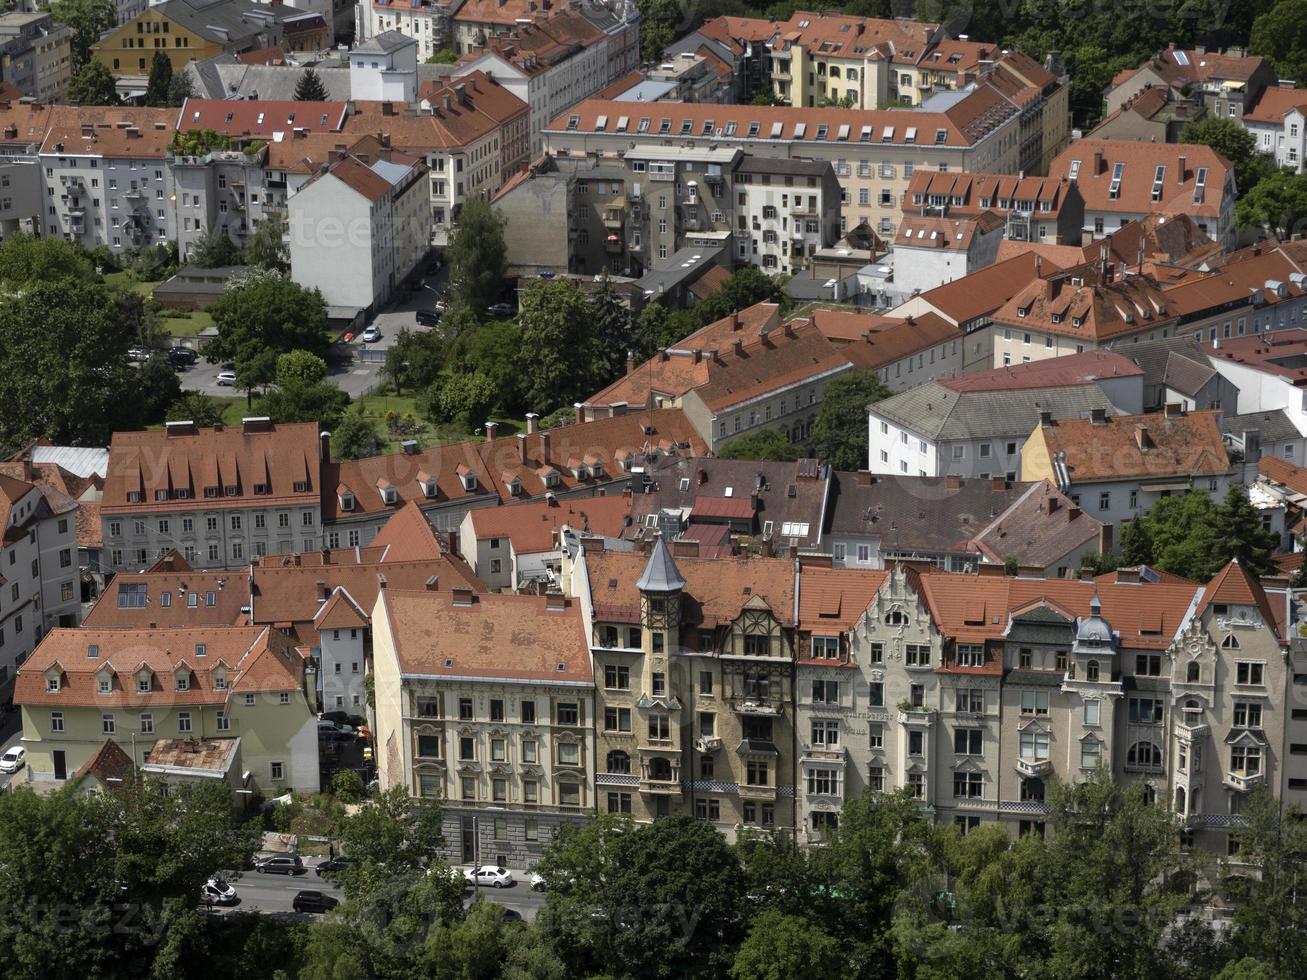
[(371, 335), (226, 379), (491, 875), (13, 760), (537, 882), (218, 892), (333, 729)]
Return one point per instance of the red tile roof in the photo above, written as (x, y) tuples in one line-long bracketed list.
[(983, 292), (23, 124), (260, 118), (123, 132), (1178, 193), (408, 536), (1276, 352), (833, 600), (493, 636), (116, 608), (1082, 306), (1283, 472), (1235, 586), (531, 526), (1153, 446), (1053, 372), (1274, 104)]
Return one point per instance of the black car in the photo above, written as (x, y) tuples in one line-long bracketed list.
[(182, 355), (428, 318), (334, 866), (501, 309), (310, 901), (279, 864)]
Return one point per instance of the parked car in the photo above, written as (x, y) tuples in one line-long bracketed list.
[(311, 901), (280, 864), (501, 309), (537, 882), (216, 891), (343, 718), (545, 274), (138, 352), (440, 306), (333, 729), (511, 915), (490, 875), (226, 379), (333, 866), (371, 335), (14, 759), (182, 355), (428, 318)]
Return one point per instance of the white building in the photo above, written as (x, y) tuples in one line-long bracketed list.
[(931, 251), (384, 68), (357, 230), (1278, 122), (785, 210)]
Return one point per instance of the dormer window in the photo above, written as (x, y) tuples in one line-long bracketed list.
[(1056, 318), (183, 682), (515, 487), (552, 480), (301, 486), (1077, 321), (104, 685), (388, 495), (469, 480), (596, 469), (135, 496), (346, 501), (1022, 310), (220, 682), (428, 484), (161, 495), (211, 491), (261, 489), (232, 490), (182, 493), (52, 684)]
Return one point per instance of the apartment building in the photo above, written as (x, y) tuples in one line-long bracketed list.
[(22, 131), (976, 425), (1225, 84), (487, 703), (1034, 209), (875, 151), (1278, 122), (36, 55), (1254, 290), (1155, 115), (785, 210), (1263, 370), (219, 496), (143, 686), (931, 251), (1118, 466), (1123, 181), (357, 229), (218, 189), (107, 180), (693, 667)]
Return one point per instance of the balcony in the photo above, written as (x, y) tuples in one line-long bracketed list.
[(613, 245), (821, 753), (661, 787), (1034, 768), (707, 743), (757, 792), (754, 705), (916, 715), (614, 219), (1242, 782)]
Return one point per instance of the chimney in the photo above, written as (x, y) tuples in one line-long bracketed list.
[(462, 596), (491, 429), (1073, 512), (544, 445), (1049, 505), (735, 320), (324, 441), (1045, 420), (630, 362), (738, 347), (1174, 410), (701, 477), (555, 602), (953, 481), (448, 102), (521, 447), (998, 483), (1180, 175), (322, 589), (1128, 576), (1098, 161), (532, 422), (698, 355), (1105, 540), (1098, 416), (1142, 439)]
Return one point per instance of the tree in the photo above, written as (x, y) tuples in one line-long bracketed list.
[(1238, 533), (300, 369), (215, 248), (477, 256), (444, 56), (464, 399), (1236, 144), (781, 946), (658, 328), (309, 88), (159, 388), (160, 81), (1280, 34), (414, 359), (265, 247), (1277, 205), (392, 835), (261, 317), (180, 89), (1176, 535), (93, 85), (840, 433), (764, 444), (64, 372), (347, 786), (492, 350), (194, 406), (25, 260), (558, 354), (744, 287), (88, 19), (354, 437), (1136, 542), (322, 403), (612, 327)]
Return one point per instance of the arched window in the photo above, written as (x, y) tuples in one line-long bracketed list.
[(896, 617), (619, 761), (1180, 801), (1231, 642), (1144, 754), (851, 74), (660, 769), (834, 71), (1091, 670), (1150, 793), (1193, 712), (1193, 672)]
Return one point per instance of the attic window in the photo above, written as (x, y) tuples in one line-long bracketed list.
[(301, 486), (183, 682), (1076, 321), (1114, 189), (182, 493), (199, 649), (551, 480), (1073, 171), (104, 685), (428, 486), (52, 684), (233, 490), (469, 481), (941, 136), (573, 122), (449, 663), (161, 495), (131, 595), (911, 135), (135, 497), (515, 487), (1056, 317), (143, 685), (260, 489), (1022, 310), (388, 495), (684, 484), (92, 651), (596, 468), (346, 501)]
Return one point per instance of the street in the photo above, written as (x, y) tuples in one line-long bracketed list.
[(11, 730)]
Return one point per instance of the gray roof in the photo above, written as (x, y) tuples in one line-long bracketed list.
[(684, 267), (660, 573), (1153, 357), (779, 165), (648, 90), (78, 460), (1187, 375), (236, 19), (940, 414), (225, 77), (1270, 426), (385, 43)]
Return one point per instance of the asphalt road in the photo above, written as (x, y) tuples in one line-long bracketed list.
[(11, 730)]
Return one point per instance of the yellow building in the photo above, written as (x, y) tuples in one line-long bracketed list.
[(190, 33)]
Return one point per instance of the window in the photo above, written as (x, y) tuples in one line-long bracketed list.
[(1247, 714), (917, 655), (107, 725), (1144, 755), (1246, 759), (756, 773), (569, 754), (1249, 673), (617, 719), (617, 678), (1034, 745), (826, 733), (1145, 711), (56, 721), (184, 722), (705, 683), (464, 709), (1148, 665), (1091, 670), (528, 709), (825, 647), (968, 741), (277, 770), (1091, 751), (567, 713), (1092, 708), (1034, 702), (968, 785), (823, 782), (826, 692), (467, 748), (708, 809)]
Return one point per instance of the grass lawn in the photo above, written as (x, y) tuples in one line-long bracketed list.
[(376, 405), (177, 323)]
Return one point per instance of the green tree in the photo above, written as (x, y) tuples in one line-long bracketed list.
[(492, 350), (781, 947), (322, 403), (414, 359), (1238, 533), (194, 406), (64, 372), (464, 399), (658, 328), (354, 437), (613, 329), (88, 19), (214, 249), (261, 317), (1136, 542), (390, 835), (744, 287), (1236, 144), (1280, 34), (160, 81), (477, 256), (265, 247), (1269, 920), (764, 444), (840, 433), (25, 260), (558, 357), (309, 87), (159, 388), (1176, 535), (180, 89), (1277, 205), (444, 56), (93, 85), (347, 786), (300, 369)]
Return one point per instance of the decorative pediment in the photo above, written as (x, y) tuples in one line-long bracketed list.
[(915, 766), (969, 764), (566, 736), (426, 728), (1092, 737), (1035, 725), (1246, 737)]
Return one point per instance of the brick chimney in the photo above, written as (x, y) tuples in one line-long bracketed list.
[(532, 422), (1179, 179), (521, 447), (1098, 161), (491, 429), (544, 445)]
